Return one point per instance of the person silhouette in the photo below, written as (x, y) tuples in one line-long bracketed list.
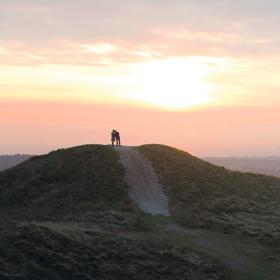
[(113, 137), (118, 138)]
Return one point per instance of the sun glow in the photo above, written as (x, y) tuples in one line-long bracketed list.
[(174, 83)]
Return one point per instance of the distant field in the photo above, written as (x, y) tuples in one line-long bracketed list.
[(263, 165), (10, 161)]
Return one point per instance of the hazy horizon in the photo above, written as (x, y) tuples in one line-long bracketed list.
[(199, 76), (204, 157)]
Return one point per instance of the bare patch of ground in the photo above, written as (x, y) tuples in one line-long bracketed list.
[(143, 186)]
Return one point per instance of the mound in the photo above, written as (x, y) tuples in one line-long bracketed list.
[(68, 182), (202, 194), (68, 215)]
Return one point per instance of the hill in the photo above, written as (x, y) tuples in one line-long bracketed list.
[(68, 215), (64, 183), (204, 195), (7, 161)]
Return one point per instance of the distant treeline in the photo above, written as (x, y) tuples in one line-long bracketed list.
[(10, 161)]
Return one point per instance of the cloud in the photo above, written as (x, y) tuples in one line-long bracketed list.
[(104, 48), (75, 53), (60, 31)]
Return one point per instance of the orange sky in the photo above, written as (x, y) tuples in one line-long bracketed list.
[(158, 72)]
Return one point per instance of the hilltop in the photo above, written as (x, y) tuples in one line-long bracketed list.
[(67, 182), (69, 215)]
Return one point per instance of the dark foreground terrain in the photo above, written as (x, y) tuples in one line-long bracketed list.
[(74, 252), (67, 215)]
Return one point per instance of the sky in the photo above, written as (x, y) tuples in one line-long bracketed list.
[(199, 75)]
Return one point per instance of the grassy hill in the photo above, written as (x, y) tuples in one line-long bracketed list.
[(205, 195), (70, 182), (67, 215)]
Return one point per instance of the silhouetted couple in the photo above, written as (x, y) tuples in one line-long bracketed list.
[(116, 138)]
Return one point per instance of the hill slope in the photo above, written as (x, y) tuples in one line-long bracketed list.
[(68, 215), (67, 182), (202, 194)]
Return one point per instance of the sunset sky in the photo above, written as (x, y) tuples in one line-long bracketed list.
[(200, 75)]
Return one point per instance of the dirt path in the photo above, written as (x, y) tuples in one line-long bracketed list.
[(144, 188)]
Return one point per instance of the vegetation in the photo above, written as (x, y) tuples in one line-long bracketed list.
[(36, 252), (68, 182), (204, 195), (67, 215)]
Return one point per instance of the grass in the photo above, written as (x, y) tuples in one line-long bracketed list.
[(33, 251), (205, 195), (67, 215), (69, 182), (243, 259)]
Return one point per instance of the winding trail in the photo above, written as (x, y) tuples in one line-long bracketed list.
[(143, 185)]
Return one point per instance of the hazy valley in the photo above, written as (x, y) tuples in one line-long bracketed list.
[(7, 161), (263, 165)]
